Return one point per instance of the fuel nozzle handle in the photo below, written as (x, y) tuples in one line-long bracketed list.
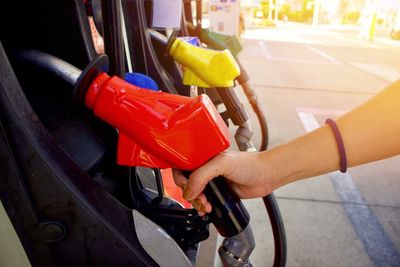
[(231, 219), (228, 214)]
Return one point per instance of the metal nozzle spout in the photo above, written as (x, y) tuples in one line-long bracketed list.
[(235, 251)]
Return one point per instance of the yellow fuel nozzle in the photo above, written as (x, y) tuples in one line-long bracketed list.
[(204, 67)]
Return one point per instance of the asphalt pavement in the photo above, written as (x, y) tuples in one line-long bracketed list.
[(303, 75)]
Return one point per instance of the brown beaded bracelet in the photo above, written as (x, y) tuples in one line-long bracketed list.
[(340, 144)]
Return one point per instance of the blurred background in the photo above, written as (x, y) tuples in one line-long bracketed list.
[(367, 15), (310, 60)]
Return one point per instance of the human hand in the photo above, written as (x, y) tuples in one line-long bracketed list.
[(245, 172)]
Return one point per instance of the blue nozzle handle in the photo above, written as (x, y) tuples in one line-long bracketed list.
[(141, 80)]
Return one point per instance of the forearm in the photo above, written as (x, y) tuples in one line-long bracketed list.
[(370, 132)]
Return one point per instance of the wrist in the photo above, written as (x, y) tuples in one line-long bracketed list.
[(275, 169), (309, 155)]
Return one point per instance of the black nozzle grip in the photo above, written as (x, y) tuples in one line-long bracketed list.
[(229, 215)]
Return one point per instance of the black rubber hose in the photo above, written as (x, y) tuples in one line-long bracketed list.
[(264, 128), (278, 230), (261, 119), (244, 81), (112, 33), (50, 64)]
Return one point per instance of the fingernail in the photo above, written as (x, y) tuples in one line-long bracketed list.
[(208, 208), (187, 194), (203, 209)]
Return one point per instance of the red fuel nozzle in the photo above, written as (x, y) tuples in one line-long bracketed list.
[(158, 129), (161, 130)]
